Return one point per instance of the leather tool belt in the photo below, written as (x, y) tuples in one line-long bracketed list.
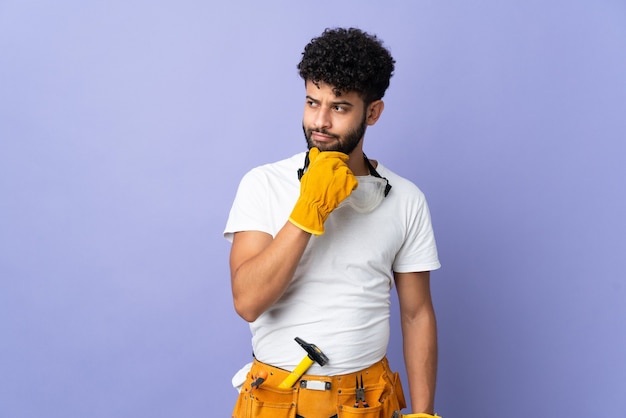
[(322, 396)]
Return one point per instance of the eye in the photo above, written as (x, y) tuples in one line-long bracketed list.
[(311, 103), (340, 108)]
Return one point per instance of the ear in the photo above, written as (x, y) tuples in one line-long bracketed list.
[(374, 110)]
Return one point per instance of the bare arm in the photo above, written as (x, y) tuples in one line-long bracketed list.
[(262, 267), (419, 331)]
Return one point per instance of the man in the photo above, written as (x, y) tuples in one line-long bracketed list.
[(319, 239)]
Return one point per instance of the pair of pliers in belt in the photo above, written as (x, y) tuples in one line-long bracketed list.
[(360, 394)]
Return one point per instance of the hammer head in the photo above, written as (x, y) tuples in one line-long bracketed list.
[(314, 353)]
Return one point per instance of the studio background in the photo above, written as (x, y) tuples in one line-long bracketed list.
[(125, 127)]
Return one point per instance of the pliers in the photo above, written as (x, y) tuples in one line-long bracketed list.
[(360, 394)]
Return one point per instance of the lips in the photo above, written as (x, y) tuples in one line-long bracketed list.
[(321, 137)]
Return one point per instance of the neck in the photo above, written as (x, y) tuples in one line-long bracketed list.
[(357, 163)]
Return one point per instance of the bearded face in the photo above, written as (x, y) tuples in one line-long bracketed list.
[(333, 121), (345, 143)]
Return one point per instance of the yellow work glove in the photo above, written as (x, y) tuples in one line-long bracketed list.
[(420, 415), (326, 183)]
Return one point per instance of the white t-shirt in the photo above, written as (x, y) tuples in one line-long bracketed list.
[(340, 294)]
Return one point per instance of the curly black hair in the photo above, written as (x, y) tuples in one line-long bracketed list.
[(348, 60)]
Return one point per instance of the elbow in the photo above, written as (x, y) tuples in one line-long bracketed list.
[(247, 316), (245, 304), (245, 310)]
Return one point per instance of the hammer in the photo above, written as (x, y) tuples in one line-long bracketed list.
[(314, 354)]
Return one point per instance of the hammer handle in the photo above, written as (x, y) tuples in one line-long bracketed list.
[(297, 373)]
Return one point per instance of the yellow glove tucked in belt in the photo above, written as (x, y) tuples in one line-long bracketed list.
[(326, 183)]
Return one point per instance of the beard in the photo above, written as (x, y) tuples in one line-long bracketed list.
[(346, 143)]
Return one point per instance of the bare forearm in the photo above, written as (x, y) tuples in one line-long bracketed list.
[(420, 356), (258, 282)]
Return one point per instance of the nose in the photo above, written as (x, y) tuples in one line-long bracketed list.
[(322, 119)]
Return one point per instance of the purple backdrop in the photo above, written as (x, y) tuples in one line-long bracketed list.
[(125, 127)]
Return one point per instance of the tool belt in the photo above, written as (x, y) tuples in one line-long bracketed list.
[(321, 396)]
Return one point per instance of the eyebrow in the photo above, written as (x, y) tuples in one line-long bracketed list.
[(342, 102)]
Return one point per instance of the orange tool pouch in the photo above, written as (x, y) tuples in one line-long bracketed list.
[(320, 396)]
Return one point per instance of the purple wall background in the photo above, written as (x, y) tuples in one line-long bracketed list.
[(125, 127)]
